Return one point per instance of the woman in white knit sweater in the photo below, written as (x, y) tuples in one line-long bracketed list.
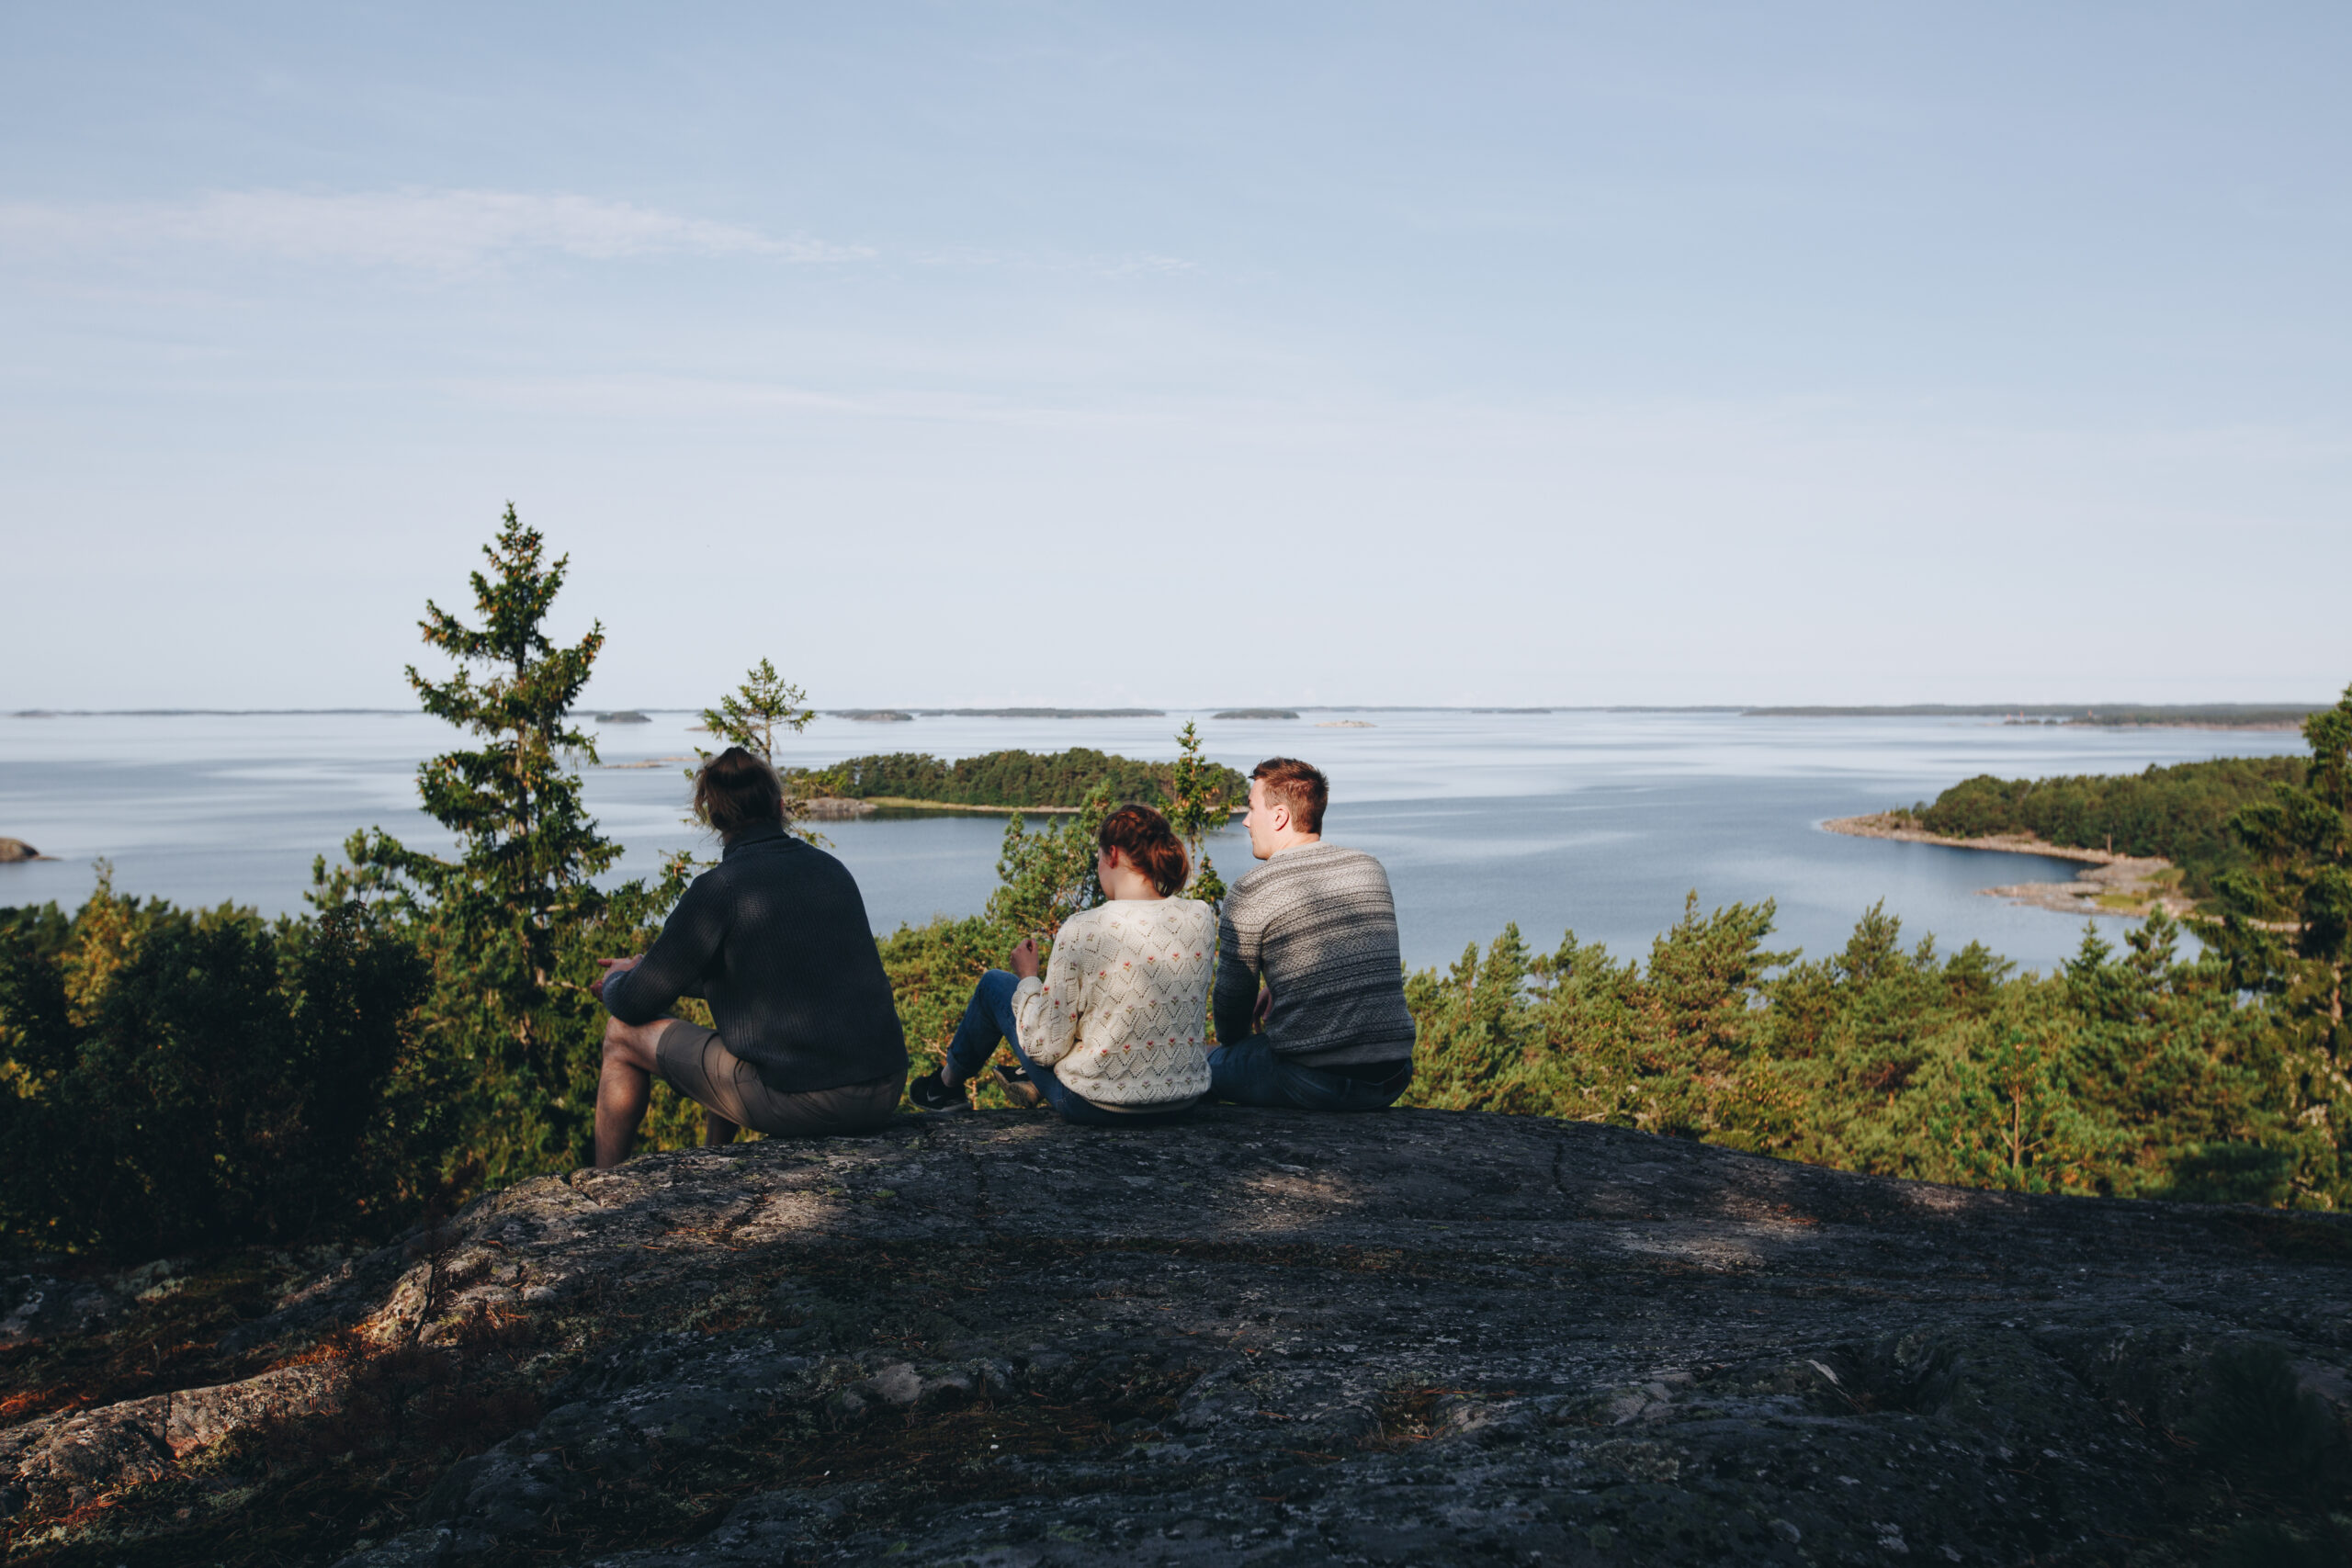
[(1114, 1031)]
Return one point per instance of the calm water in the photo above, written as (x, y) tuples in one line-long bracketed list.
[(1599, 822)]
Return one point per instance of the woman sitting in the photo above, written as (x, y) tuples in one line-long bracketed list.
[(1113, 1035)]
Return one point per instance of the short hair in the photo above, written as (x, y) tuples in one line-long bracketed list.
[(1299, 785), (1151, 846), (736, 789)]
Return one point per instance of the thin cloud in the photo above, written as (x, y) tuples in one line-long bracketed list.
[(442, 231)]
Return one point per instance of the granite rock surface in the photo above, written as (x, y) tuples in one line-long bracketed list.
[(1418, 1337)]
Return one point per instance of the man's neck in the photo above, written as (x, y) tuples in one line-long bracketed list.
[(1299, 842)]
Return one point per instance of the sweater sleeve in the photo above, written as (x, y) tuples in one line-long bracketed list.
[(677, 960), (1236, 997), (1047, 1011)]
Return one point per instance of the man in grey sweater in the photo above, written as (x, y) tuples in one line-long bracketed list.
[(1317, 926)]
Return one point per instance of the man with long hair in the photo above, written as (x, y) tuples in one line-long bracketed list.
[(775, 939)]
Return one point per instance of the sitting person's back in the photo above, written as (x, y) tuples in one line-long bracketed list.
[(1114, 1031), (1118, 1014), (1317, 927), (775, 939)]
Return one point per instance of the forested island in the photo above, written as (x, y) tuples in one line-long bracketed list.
[(1012, 780), (2181, 813)]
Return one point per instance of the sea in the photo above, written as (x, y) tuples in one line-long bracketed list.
[(1596, 823)]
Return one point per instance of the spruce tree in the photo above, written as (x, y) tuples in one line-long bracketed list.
[(2285, 930), (514, 923)]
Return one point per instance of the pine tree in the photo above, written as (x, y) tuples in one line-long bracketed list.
[(514, 923), (749, 716), (1199, 802), (2285, 930)]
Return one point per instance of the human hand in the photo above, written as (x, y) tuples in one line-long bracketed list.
[(1022, 959), (1258, 1011), (612, 967)]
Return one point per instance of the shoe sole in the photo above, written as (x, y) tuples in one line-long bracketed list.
[(1024, 1094)]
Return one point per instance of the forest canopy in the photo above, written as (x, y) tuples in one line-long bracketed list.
[(1031, 779)]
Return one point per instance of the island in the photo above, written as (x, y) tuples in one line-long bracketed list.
[(1000, 782), (1257, 713), (2105, 715)]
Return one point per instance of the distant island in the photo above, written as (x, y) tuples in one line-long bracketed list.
[(626, 716), (1257, 713), (2109, 715), (871, 716), (1041, 713), (1001, 781)]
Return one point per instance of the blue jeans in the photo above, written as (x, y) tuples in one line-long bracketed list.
[(988, 1019), (1250, 1072)]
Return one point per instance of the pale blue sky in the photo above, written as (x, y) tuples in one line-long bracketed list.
[(1066, 353)]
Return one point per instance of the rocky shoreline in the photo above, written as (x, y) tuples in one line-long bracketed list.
[(1259, 1337), (2119, 885)]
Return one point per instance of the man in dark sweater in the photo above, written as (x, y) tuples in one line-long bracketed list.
[(1317, 926), (775, 939)]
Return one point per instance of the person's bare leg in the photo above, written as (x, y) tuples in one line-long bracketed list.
[(624, 1085), (717, 1128)]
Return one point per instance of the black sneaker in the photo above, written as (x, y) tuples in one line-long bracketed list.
[(1019, 1088), (929, 1092)]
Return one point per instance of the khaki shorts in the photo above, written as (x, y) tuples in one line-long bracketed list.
[(692, 1060)]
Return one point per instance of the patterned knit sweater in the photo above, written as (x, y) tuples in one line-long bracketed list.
[(1319, 924), (1122, 1013)]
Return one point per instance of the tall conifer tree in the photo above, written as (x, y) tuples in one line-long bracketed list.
[(2285, 930), (514, 923)]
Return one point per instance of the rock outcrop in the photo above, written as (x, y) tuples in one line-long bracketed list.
[(1261, 1338), (16, 849)]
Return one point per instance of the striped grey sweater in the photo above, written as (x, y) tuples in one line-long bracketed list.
[(1319, 924)]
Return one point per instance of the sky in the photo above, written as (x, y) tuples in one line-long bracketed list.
[(983, 354)]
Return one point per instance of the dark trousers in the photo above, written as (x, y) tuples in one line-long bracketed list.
[(1250, 1072)]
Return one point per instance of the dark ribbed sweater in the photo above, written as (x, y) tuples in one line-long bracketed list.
[(1319, 924), (775, 938)]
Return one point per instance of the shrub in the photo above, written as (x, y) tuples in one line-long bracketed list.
[(180, 1081)]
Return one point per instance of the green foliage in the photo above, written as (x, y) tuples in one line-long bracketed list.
[(1200, 800), (513, 925), (2284, 930), (750, 715), (178, 1081), (2137, 1075), (1019, 779), (2180, 813)]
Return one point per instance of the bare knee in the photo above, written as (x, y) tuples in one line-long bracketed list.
[(632, 1044)]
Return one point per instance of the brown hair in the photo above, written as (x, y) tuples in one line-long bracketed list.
[(1150, 845), (1299, 785), (735, 790)]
